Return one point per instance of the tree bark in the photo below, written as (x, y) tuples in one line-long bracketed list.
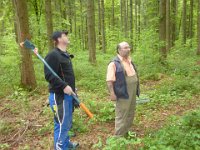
[(113, 13), (26, 68), (131, 23), (103, 27), (184, 30), (198, 28), (168, 39), (191, 20), (173, 21), (91, 31), (99, 25), (49, 23), (136, 23), (162, 29), (139, 21)]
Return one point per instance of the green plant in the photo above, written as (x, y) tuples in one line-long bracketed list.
[(183, 134)]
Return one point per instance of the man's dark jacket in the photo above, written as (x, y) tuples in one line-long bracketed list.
[(61, 63)]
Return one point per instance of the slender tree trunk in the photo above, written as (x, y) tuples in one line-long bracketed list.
[(162, 30), (136, 24), (63, 13), (191, 21), (125, 18), (82, 25), (49, 23), (75, 27), (122, 8), (26, 68), (103, 27), (131, 23), (168, 40), (70, 14), (184, 29), (38, 12), (99, 25), (139, 21), (198, 29), (91, 31), (173, 21), (113, 13)]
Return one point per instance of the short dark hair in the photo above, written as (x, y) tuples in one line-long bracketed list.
[(58, 34)]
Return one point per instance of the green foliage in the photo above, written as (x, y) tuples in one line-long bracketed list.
[(183, 134), (118, 143), (48, 127), (5, 127), (4, 146)]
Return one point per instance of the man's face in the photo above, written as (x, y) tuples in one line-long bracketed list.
[(64, 40), (124, 49)]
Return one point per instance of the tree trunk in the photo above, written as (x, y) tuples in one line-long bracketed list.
[(168, 39), (75, 27), (139, 21), (162, 29), (131, 23), (70, 14), (126, 18), (38, 13), (82, 25), (113, 13), (63, 13), (191, 21), (198, 29), (184, 30), (91, 31), (136, 24), (99, 25), (103, 27), (122, 8), (27, 70), (49, 23), (173, 21)]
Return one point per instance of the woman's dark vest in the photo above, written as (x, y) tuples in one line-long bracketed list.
[(120, 87)]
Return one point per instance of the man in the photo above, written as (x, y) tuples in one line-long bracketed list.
[(60, 99), (123, 84)]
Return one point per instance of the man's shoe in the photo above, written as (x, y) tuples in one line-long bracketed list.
[(73, 146)]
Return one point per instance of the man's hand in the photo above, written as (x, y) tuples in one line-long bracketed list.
[(68, 90), (113, 97)]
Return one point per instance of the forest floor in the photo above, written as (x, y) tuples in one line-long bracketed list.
[(25, 127)]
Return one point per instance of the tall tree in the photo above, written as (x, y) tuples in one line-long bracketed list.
[(99, 25), (198, 29), (191, 19), (91, 31), (184, 31), (26, 68), (173, 21), (122, 15), (126, 18), (103, 27), (162, 29), (49, 23), (131, 23), (139, 21), (113, 14), (168, 38), (136, 23)]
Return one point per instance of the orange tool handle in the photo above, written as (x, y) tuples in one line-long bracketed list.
[(86, 110)]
